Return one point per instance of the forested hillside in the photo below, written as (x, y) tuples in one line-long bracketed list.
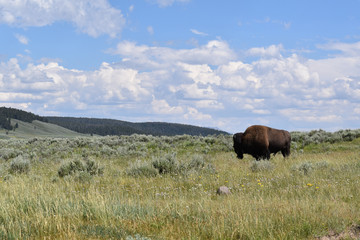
[(6, 114), (115, 127), (104, 127)]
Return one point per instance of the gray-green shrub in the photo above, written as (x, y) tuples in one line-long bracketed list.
[(320, 136), (166, 164), (199, 163), (71, 167), (20, 164), (263, 165), (304, 168), (140, 168)]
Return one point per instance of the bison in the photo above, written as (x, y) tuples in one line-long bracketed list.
[(261, 141)]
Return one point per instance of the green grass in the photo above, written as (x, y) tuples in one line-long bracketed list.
[(269, 200), (36, 129)]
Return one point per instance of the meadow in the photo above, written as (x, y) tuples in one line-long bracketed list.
[(146, 187)]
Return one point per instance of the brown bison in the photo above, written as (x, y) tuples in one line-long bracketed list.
[(261, 141)]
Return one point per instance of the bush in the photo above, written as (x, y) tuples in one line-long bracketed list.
[(19, 165), (307, 167), (198, 163), (93, 168), (69, 168), (263, 165), (304, 168), (140, 168), (77, 165), (321, 165), (166, 164), (321, 136), (8, 153)]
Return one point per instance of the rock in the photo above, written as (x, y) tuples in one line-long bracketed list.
[(223, 190)]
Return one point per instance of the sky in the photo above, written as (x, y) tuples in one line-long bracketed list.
[(227, 65)]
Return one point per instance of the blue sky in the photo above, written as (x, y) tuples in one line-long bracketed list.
[(224, 64)]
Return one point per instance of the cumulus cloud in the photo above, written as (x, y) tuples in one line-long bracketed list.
[(56, 86), (94, 18), (162, 107), (193, 113), (214, 53), (118, 83), (310, 115), (209, 104), (202, 74), (206, 85), (348, 49), (271, 51)]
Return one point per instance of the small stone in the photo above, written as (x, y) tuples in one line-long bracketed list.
[(223, 190)]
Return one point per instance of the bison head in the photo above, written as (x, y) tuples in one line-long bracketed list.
[(237, 145)]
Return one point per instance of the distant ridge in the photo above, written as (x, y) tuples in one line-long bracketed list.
[(6, 114), (15, 123), (11, 119), (117, 127)]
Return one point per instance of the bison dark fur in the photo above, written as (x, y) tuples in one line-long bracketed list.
[(261, 141)]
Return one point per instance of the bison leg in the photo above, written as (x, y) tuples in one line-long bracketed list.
[(240, 155), (267, 154), (264, 155), (286, 151)]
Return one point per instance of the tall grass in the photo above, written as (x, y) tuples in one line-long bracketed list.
[(274, 199)]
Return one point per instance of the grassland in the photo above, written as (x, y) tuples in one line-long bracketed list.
[(36, 129), (312, 194)]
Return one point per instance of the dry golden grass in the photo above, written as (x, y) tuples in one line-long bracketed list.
[(270, 200)]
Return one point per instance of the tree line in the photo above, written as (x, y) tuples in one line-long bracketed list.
[(106, 127), (6, 114)]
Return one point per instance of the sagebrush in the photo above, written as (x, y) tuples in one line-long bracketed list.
[(112, 188)]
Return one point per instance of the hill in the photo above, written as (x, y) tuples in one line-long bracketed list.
[(6, 114), (14, 122), (116, 127), (36, 129)]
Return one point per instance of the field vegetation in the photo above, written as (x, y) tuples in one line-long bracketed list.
[(146, 187)]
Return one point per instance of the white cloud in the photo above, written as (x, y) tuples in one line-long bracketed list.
[(214, 53), (22, 39), (56, 86), (209, 104), (193, 91), (193, 113), (167, 3), (261, 111), (271, 51), (150, 30), (118, 83), (196, 32), (162, 107), (310, 115), (238, 75), (348, 49), (205, 85), (131, 8), (94, 18), (202, 74), (18, 96)]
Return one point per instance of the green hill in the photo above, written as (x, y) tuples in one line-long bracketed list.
[(36, 129), (6, 114), (116, 127), (19, 123)]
